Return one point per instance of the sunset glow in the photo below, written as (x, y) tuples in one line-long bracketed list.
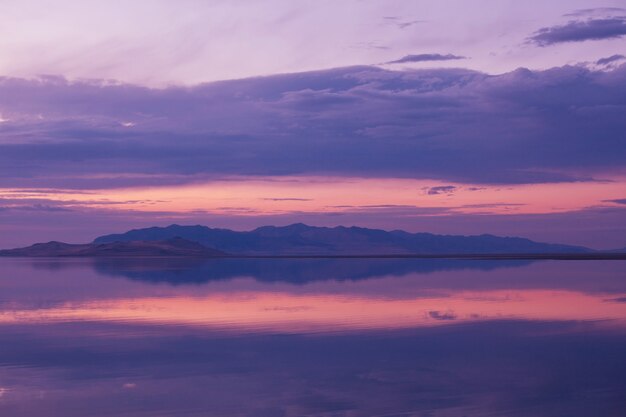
[(284, 312), (279, 195)]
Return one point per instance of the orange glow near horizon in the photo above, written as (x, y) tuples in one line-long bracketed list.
[(282, 195), (284, 312)]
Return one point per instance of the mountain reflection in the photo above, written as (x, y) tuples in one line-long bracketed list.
[(180, 271)]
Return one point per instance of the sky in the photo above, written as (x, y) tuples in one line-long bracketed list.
[(456, 117)]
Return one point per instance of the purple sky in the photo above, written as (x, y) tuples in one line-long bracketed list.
[(459, 117), (160, 42)]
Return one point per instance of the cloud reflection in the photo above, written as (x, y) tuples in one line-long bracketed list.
[(291, 313)]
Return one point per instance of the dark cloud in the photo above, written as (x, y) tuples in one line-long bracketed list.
[(562, 124), (579, 31), (611, 59), (442, 189), (617, 201), (442, 315), (425, 58)]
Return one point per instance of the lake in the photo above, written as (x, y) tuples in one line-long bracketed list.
[(312, 337)]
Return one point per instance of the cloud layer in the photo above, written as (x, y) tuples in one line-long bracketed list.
[(563, 124)]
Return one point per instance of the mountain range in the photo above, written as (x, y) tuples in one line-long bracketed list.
[(301, 239)]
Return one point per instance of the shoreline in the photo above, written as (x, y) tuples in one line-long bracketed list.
[(602, 256)]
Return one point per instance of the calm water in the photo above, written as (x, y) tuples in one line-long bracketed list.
[(428, 338)]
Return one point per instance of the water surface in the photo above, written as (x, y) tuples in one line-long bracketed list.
[(312, 337)]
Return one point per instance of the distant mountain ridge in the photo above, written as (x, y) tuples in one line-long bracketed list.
[(173, 247), (301, 239)]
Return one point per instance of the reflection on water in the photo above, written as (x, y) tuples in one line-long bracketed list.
[(312, 337), (184, 271)]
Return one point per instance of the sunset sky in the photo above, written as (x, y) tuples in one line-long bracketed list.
[(455, 117)]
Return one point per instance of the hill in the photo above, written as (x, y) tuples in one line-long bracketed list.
[(157, 248)]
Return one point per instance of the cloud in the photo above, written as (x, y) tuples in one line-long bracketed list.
[(33, 207), (611, 59), (425, 58), (402, 24), (442, 315), (442, 189), (617, 201), (492, 205), (606, 11), (34, 191), (369, 45), (25, 202), (453, 125), (396, 211), (579, 31)]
